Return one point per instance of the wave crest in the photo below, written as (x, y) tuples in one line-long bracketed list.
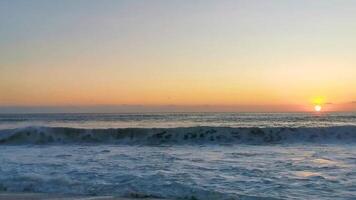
[(187, 135)]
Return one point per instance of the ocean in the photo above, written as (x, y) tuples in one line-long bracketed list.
[(193, 156)]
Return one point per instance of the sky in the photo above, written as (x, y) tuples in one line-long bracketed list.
[(180, 55)]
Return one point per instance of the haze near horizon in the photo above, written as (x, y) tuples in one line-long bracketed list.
[(246, 56)]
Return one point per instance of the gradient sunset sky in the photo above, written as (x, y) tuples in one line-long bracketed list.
[(252, 55)]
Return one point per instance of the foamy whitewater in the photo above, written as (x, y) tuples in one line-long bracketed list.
[(201, 156)]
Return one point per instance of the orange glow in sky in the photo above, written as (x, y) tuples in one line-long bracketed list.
[(231, 55)]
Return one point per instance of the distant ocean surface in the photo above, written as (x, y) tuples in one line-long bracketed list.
[(203, 156), (173, 120)]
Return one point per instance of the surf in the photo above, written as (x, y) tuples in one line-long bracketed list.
[(178, 136)]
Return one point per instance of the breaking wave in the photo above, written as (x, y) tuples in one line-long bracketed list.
[(187, 135)]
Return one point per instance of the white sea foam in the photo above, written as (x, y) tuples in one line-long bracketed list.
[(180, 156), (203, 172)]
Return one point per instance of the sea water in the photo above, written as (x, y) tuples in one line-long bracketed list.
[(181, 155)]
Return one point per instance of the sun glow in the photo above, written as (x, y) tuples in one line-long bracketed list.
[(317, 108)]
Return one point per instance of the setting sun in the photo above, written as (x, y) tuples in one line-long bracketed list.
[(317, 108), (264, 86)]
